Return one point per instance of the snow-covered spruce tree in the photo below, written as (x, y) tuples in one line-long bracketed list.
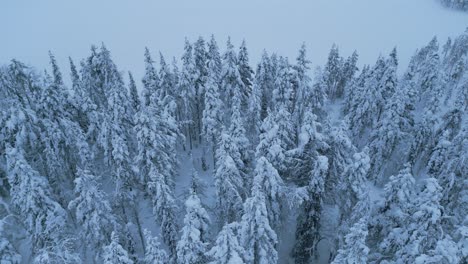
[(186, 99), (117, 139), (227, 249), (353, 199), (258, 238), (354, 89), (150, 79), (332, 74), (153, 253), (307, 230), (339, 154), (389, 226), (365, 110), (201, 73), (62, 252), (8, 252), (271, 184), (284, 92), (238, 134), (229, 180), (312, 143), (165, 91), (157, 134), (214, 58), (393, 128), (212, 113), (193, 244), (92, 211), (424, 228), (355, 250), (32, 199), (133, 93), (114, 253), (246, 74), (260, 98), (303, 83), (232, 85), (276, 138)]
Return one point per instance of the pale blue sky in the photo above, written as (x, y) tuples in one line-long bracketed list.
[(68, 28)]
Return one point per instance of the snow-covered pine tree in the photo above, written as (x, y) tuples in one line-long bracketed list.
[(157, 134), (229, 180), (186, 99), (391, 129), (150, 79), (92, 211), (246, 74), (227, 249), (258, 238), (425, 220), (303, 83), (212, 113), (165, 91), (355, 250), (365, 110), (114, 253), (232, 85), (271, 184), (214, 58), (153, 253), (133, 93), (394, 214), (332, 74), (31, 195), (193, 244), (201, 73), (308, 226)]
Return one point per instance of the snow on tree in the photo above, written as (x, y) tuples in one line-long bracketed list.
[(311, 143), (186, 100), (32, 197), (276, 138), (332, 73), (395, 212), (150, 79), (153, 254), (365, 110), (308, 226), (424, 229), (260, 98), (212, 113), (355, 249), (229, 180), (238, 134), (392, 128), (92, 210), (193, 242), (227, 249), (304, 86), (214, 58), (134, 97), (164, 208), (165, 92), (271, 184), (246, 73), (114, 253), (258, 238), (232, 85), (59, 253)]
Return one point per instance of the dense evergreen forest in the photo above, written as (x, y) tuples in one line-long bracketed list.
[(207, 159)]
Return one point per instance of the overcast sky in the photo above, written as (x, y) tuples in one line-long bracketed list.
[(28, 29)]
